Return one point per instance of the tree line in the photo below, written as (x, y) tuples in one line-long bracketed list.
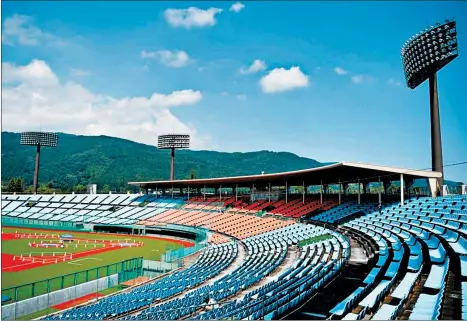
[(17, 185)]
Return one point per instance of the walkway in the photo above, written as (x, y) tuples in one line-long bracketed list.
[(292, 256)]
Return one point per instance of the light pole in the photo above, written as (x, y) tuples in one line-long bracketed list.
[(38, 139)]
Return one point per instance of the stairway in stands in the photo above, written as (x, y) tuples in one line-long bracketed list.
[(413, 297), (350, 279), (451, 309)]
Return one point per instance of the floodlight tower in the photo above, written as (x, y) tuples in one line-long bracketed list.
[(38, 139), (172, 142), (423, 55)]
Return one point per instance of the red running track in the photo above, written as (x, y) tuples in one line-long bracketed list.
[(77, 301), (184, 243), (10, 265)]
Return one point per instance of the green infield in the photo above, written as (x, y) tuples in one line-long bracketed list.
[(12, 248)]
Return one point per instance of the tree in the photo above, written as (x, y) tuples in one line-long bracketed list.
[(79, 188), (44, 189), (192, 174), (105, 189), (15, 185)]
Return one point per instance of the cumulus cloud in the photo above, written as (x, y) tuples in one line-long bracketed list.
[(175, 59), (340, 71), (36, 73), (191, 17), (241, 97), (256, 66), (34, 95), (237, 7), (280, 80)]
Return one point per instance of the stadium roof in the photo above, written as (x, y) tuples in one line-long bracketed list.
[(345, 172)]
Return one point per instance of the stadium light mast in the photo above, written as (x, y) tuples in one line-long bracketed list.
[(173, 142), (423, 55), (38, 139)]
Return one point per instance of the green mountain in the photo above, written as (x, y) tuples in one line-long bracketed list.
[(113, 161)]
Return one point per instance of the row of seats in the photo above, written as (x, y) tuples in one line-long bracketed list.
[(317, 264), (344, 210), (421, 223), (238, 225), (210, 263), (265, 253), (96, 209)]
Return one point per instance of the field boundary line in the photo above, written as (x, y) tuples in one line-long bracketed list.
[(84, 259)]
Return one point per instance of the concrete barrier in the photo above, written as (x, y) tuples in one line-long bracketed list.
[(41, 302)]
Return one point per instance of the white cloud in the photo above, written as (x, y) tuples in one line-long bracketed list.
[(340, 71), (357, 79), (256, 66), (36, 73), (237, 7), (241, 97), (394, 82), (20, 30), (79, 72), (280, 79), (192, 17), (32, 95), (176, 58)]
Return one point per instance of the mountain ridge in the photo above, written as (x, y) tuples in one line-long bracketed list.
[(113, 161)]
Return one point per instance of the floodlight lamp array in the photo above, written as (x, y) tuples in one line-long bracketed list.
[(429, 51), (39, 139), (173, 141)]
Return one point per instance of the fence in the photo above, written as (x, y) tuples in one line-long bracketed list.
[(43, 224), (126, 270), (38, 303), (201, 235)]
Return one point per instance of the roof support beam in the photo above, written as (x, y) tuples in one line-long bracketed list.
[(340, 189), (402, 189), (172, 191), (358, 189), (432, 182), (269, 191), (236, 192), (321, 192), (379, 190), (188, 193), (286, 192), (303, 192), (220, 193), (204, 192)]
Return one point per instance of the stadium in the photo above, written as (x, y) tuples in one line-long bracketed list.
[(339, 241)]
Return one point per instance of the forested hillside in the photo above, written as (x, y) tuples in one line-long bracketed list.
[(111, 162)]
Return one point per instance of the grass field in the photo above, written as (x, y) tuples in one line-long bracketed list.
[(152, 249)]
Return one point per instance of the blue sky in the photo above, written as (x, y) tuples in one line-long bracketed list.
[(320, 79)]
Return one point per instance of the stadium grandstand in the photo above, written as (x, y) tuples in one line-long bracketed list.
[(271, 253)]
